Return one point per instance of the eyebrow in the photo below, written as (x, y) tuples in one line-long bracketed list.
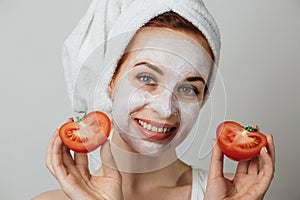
[(153, 67), (195, 78), (198, 78)]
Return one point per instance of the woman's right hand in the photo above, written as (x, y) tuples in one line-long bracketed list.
[(74, 175)]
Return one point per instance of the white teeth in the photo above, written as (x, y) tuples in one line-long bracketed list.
[(153, 128), (149, 127), (145, 125)]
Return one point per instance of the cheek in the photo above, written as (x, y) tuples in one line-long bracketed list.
[(119, 109), (127, 99), (189, 115)]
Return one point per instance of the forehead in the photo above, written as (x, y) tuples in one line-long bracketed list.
[(144, 35), (165, 47)]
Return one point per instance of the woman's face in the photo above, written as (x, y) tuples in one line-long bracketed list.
[(159, 89)]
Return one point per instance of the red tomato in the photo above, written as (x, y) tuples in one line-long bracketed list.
[(87, 133), (240, 143)]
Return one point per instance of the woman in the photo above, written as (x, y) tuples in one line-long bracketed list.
[(157, 90)]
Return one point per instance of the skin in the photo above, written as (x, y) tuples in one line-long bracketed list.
[(250, 180), (163, 102)]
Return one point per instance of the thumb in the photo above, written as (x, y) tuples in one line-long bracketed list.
[(108, 163)]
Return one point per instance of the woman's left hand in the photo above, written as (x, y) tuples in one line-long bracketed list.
[(250, 182)]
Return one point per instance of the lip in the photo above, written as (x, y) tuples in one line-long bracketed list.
[(155, 135)]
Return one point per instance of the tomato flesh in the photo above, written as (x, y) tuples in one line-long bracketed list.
[(239, 144), (87, 134)]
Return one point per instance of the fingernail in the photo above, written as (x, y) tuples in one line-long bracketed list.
[(265, 149)]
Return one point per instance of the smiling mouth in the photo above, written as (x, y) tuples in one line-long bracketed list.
[(154, 130)]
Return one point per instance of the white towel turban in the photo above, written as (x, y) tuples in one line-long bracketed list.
[(91, 52)]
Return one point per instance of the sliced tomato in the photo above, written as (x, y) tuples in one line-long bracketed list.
[(240, 143), (87, 133)]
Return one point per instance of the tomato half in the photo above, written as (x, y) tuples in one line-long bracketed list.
[(87, 133), (240, 143)]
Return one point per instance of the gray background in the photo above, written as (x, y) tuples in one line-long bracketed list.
[(259, 66)]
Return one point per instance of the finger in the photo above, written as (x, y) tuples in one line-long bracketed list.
[(57, 160), (50, 149), (81, 162), (216, 162), (267, 172), (70, 165), (242, 167), (67, 157), (268, 155), (256, 127), (49, 152), (271, 147), (108, 163), (254, 166)]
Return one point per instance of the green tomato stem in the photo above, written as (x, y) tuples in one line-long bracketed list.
[(250, 129), (80, 119)]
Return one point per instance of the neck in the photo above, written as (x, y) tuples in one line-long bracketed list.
[(169, 176), (139, 170)]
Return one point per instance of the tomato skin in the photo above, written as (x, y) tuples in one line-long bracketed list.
[(87, 134), (237, 143)]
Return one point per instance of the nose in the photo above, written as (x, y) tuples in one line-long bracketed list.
[(165, 104)]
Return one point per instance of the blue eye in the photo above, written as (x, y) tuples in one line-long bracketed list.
[(188, 90), (146, 79)]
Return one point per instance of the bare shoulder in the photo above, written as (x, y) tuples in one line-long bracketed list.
[(52, 194)]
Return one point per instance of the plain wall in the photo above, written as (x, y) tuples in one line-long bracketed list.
[(259, 68)]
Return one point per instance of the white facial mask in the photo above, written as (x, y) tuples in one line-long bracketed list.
[(176, 59), (185, 53)]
